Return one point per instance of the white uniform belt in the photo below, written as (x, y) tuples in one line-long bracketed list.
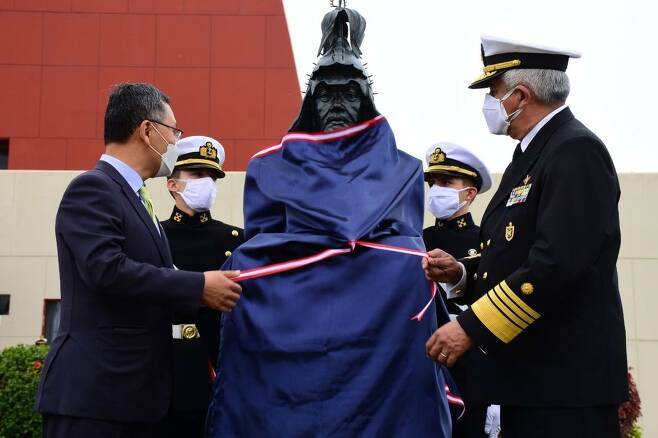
[(184, 331)]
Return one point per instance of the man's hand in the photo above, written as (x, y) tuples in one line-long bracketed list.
[(219, 292), (441, 267), (448, 343)]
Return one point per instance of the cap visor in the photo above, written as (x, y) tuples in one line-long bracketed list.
[(218, 173), (485, 82), (447, 173)]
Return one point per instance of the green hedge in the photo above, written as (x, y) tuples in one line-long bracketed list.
[(20, 368)]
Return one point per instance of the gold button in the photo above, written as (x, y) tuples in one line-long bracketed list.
[(475, 276), (484, 276), (234, 233), (527, 288), (481, 245), (228, 253), (190, 331), (489, 243)]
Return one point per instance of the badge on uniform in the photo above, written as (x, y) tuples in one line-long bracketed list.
[(509, 232), (520, 194)]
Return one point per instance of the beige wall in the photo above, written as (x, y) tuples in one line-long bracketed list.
[(28, 258)]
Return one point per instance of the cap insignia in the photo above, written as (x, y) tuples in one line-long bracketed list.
[(208, 151), (437, 157)]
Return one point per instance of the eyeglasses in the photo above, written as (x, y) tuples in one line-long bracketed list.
[(178, 133)]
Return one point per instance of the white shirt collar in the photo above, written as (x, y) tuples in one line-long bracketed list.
[(531, 135)]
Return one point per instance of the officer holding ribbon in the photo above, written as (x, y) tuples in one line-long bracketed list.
[(198, 243)]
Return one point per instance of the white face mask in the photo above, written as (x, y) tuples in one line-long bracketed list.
[(168, 159), (199, 193), (494, 113), (443, 202)]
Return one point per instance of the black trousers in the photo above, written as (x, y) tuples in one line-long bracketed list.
[(184, 424), (591, 422), (471, 425), (62, 426)]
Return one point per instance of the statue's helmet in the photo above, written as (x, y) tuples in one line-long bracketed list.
[(339, 63)]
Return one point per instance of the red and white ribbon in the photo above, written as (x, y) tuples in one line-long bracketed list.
[(320, 137), (454, 399), (291, 265)]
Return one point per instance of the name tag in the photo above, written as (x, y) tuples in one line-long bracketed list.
[(519, 195)]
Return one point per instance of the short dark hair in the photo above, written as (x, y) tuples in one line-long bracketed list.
[(467, 181), (128, 106)]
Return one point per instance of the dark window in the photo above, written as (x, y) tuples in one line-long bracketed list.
[(4, 304), (4, 153), (50, 319)]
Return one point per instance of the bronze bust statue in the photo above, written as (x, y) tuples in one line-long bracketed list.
[(339, 92)]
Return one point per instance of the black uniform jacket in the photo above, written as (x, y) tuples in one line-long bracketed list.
[(198, 243), (545, 301), (459, 237)]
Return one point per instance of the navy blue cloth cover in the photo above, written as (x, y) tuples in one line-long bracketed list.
[(330, 349)]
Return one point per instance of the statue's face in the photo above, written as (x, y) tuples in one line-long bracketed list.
[(337, 106)]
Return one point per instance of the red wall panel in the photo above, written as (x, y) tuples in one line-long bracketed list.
[(279, 51), (281, 105), (38, 153), (127, 40), (19, 104), (226, 64), (261, 7), (156, 6), (25, 45), (238, 41), (223, 7), (191, 104), (44, 5), (71, 39), (82, 154), (183, 41), (237, 101), (245, 149), (69, 99), (99, 5)]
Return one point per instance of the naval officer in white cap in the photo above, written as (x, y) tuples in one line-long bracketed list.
[(198, 243), (455, 176), (543, 289)]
